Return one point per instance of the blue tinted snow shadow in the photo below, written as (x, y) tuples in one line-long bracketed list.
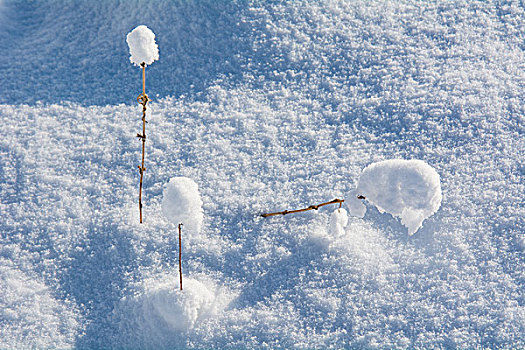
[(95, 280), (77, 51), (283, 275)]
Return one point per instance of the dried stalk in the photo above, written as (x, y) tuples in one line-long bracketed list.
[(180, 254), (143, 100), (312, 207)]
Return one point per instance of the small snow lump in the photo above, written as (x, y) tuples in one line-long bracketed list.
[(338, 222), (181, 203), (142, 46)]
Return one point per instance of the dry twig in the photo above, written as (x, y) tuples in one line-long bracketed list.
[(312, 207), (180, 254), (143, 100)]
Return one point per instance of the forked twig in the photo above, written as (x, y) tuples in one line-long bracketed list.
[(312, 207)]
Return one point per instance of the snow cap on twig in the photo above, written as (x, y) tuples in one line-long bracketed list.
[(181, 202), (142, 46)]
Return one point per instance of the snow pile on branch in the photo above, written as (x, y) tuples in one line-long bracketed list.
[(181, 203), (408, 189), (142, 46)]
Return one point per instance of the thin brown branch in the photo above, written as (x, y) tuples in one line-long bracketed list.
[(312, 207), (180, 254), (143, 100)]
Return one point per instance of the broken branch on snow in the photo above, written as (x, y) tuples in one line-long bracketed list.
[(312, 207)]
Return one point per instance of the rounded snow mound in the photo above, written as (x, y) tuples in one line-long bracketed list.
[(408, 189), (181, 203), (142, 46), (181, 309), (158, 312)]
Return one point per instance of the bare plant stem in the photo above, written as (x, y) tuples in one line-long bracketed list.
[(143, 100), (180, 254), (312, 207)]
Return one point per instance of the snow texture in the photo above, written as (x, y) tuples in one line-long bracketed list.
[(266, 105), (408, 189), (181, 203), (30, 315), (142, 46)]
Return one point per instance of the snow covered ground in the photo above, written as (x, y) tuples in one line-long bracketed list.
[(266, 106)]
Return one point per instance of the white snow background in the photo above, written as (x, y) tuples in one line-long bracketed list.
[(266, 106)]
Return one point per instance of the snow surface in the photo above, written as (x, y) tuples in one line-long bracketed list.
[(266, 106), (181, 203), (142, 46), (31, 316), (408, 189)]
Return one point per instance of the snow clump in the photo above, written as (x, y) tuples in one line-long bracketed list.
[(408, 189), (142, 46), (355, 205), (338, 222), (181, 203)]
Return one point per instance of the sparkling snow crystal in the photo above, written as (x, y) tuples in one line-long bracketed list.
[(408, 189), (142, 46), (181, 202)]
